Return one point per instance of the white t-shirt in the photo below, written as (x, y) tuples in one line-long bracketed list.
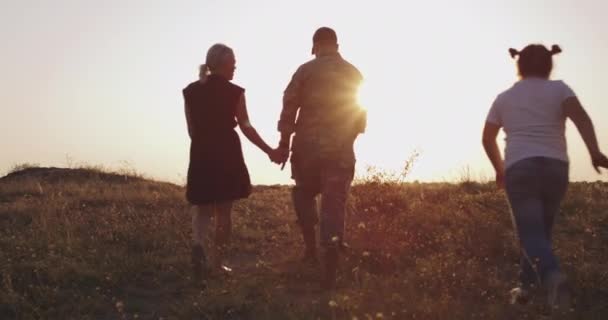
[(531, 115)]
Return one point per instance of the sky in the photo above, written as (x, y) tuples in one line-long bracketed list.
[(99, 82)]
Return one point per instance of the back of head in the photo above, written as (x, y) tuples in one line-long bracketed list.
[(324, 37), (215, 56), (535, 60)]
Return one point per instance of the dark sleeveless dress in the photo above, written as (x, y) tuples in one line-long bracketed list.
[(217, 170)]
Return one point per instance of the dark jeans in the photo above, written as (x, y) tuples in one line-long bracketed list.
[(535, 188), (330, 179)]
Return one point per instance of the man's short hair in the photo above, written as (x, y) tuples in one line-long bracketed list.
[(326, 35)]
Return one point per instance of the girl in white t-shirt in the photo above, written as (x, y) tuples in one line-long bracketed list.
[(534, 172)]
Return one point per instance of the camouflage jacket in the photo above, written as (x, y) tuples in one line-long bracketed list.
[(322, 95)]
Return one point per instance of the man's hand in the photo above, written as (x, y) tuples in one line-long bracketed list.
[(273, 156), (284, 148), (283, 155)]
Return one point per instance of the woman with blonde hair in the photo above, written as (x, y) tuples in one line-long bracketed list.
[(533, 114), (217, 174)]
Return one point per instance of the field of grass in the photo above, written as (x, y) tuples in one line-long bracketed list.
[(84, 244)]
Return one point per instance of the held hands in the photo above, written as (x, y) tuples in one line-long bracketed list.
[(283, 150), (279, 155)]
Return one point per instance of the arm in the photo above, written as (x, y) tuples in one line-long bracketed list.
[(188, 119), (285, 142), (490, 132), (575, 111), (248, 130), (291, 104)]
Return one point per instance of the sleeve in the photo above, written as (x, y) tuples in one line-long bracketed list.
[(291, 103), (238, 90), (187, 92), (566, 92), (494, 114)]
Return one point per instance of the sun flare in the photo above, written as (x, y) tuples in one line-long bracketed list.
[(363, 98)]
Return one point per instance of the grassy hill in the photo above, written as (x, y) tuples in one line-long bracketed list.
[(85, 244)]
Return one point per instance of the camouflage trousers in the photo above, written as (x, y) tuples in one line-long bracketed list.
[(330, 179)]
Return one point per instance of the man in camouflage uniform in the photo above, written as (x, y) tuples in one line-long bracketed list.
[(323, 96)]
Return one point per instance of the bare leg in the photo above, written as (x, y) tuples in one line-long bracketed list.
[(201, 216), (201, 219), (223, 232)]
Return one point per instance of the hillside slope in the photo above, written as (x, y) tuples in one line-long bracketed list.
[(83, 244)]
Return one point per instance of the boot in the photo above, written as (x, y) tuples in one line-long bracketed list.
[(331, 269), (310, 243), (199, 263)]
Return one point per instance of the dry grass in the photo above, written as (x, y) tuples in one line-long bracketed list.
[(84, 244)]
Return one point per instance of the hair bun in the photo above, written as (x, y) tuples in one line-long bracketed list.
[(555, 49), (513, 52)]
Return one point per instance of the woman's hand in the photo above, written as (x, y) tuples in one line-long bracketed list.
[(278, 155)]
